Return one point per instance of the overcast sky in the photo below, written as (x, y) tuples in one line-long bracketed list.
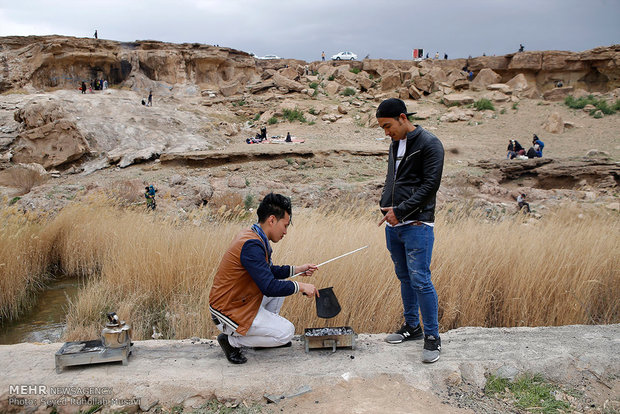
[(387, 29)]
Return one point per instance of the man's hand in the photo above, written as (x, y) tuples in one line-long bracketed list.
[(390, 217), (308, 269), (307, 289)]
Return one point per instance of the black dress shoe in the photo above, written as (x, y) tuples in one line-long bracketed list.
[(233, 354), (286, 345)]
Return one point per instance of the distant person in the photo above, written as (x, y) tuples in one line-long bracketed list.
[(426, 55), (514, 149), (436, 55), (263, 133), (96, 34), (408, 201), (149, 194), (249, 290), (536, 141), (105, 84), (288, 137), (149, 101), (445, 56), (521, 48), (83, 88), (323, 56), (522, 203), (470, 75), (559, 84)]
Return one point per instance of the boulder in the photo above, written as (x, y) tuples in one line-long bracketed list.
[(457, 114), (36, 114), (554, 123), (526, 60), (50, 145), (502, 87), (518, 82), (530, 93), (460, 84), (436, 74), (390, 81), (342, 110), (423, 84), (364, 82), (236, 182), (414, 92), (457, 99), (332, 88), (283, 82), (496, 96), (230, 88), (289, 73), (557, 94), (485, 78)]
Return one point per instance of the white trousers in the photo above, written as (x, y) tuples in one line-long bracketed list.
[(268, 329)]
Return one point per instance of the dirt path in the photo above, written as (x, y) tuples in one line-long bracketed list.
[(374, 377)]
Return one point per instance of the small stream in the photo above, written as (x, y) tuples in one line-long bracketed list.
[(46, 321)]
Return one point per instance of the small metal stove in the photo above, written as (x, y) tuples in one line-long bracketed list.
[(114, 345), (335, 337)]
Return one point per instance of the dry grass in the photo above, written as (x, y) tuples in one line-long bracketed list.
[(22, 178), (157, 271)]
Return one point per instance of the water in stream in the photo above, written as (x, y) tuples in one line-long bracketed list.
[(46, 321)]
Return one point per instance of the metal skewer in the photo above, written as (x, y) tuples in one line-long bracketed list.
[(331, 260)]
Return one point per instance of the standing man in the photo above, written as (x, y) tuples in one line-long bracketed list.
[(414, 172), (149, 101), (323, 56), (248, 290), (96, 37)]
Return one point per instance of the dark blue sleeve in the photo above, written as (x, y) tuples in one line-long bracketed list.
[(253, 259)]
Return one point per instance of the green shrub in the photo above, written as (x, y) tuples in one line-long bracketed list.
[(294, 115), (515, 106), (600, 104), (354, 70), (371, 76), (248, 201), (314, 85), (272, 120), (313, 111), (484, 104), (596, 114), (529, 392), (331, 78), (348, 92), (503, 111), (311, 123), (239, 103), (256, 117)]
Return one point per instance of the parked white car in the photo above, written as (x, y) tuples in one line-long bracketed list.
[(344, 56), (268, 57)]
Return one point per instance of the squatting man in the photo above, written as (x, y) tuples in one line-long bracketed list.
[(248, 290)]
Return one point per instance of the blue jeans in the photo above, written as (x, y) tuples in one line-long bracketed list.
[(411, 248)]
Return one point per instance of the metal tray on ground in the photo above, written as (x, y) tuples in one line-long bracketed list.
[(335, 337), (89, 352)]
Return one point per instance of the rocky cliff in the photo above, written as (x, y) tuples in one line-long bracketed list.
[(64, 62), (44, 62)]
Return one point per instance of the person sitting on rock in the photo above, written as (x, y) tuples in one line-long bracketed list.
[(522, 203), (536, 141), (288, 137), (514, 149)]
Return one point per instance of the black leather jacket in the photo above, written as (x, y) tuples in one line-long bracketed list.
[(412, 192)]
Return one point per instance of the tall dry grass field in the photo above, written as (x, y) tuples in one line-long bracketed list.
[(157, 271)]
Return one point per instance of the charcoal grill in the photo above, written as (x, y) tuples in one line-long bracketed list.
[(89, 352), (334, 337)]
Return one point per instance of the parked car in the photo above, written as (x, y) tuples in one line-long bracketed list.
[(268, 57), (344, 56)]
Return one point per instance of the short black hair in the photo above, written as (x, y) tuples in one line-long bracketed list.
[(276, 205)]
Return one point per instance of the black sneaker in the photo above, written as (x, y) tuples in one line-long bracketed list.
[(233, 354), (432, 348), (405, 333)]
